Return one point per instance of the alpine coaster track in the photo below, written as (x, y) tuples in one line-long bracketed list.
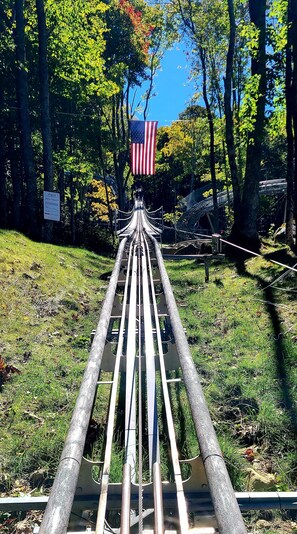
[(140, 343), (140, 337)]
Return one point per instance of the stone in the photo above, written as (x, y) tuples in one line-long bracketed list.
[(263, 524), (261, 481)]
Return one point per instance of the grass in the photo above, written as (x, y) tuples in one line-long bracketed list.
[(50, 302), (243, 337)]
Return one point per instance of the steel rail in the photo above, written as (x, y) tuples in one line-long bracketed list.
[(181, 502), (154, 211), (262, 500), (125, 218), (123, 211), (174, 451), (112, 406), (153, 433), (147, 225), (58, 510), (152, 411), (140, 419), (130, 400), (158, 499), (140, 293), (126, 500), (226, 508), (126, 228), (202, 207)]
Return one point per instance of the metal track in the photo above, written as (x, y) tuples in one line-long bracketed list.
[(138, 340), (196, 210)]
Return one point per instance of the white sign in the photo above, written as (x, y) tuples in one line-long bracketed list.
[(51, 206)]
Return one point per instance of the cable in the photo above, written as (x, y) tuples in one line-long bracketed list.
[(185, 232), (108, 527), (83, 518), (288, 290), (280, 278), (271, 303), (154, 211), (259, 255)]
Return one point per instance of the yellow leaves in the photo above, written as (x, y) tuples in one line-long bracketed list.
[(180, 139), (99, 204)]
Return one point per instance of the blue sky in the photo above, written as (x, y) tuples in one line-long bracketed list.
[(172, 87)]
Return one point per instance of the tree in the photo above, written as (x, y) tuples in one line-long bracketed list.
[(6, 63), (230, 142), (294, 97), (3, 199), (205, 24), (103, 200), (245, 229), (135, 33), (45, 109), (289, 88), (24, 116), (185, 150)]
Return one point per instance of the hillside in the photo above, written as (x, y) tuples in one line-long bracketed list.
[(242, 330), (50, 302), (243, 334)]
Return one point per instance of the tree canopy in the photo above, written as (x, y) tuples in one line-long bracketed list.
[(69, 74)]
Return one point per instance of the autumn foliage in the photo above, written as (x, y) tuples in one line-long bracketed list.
[(142, 30), (99, 204)]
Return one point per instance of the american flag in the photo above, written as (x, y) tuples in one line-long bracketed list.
[(143, 146)]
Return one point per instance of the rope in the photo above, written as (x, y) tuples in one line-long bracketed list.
[(259, 255)]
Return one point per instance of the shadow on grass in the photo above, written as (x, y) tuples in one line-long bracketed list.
[(281, 255), (279, 343), (182, 445), (120, 413)]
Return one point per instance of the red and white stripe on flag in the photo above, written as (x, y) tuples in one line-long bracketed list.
[(143, 153)]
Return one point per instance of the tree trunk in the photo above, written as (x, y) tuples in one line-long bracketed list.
[(246, 230), (45, 111), (3, 119), (59, 145), (237, 81), (294, 100), (229, 116), (290, 137), (3, 199), (24, 117), (212, 142), (16, 179), (72, 209)]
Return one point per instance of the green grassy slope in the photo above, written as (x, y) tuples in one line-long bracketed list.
[(49, 303), (242, 331)]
